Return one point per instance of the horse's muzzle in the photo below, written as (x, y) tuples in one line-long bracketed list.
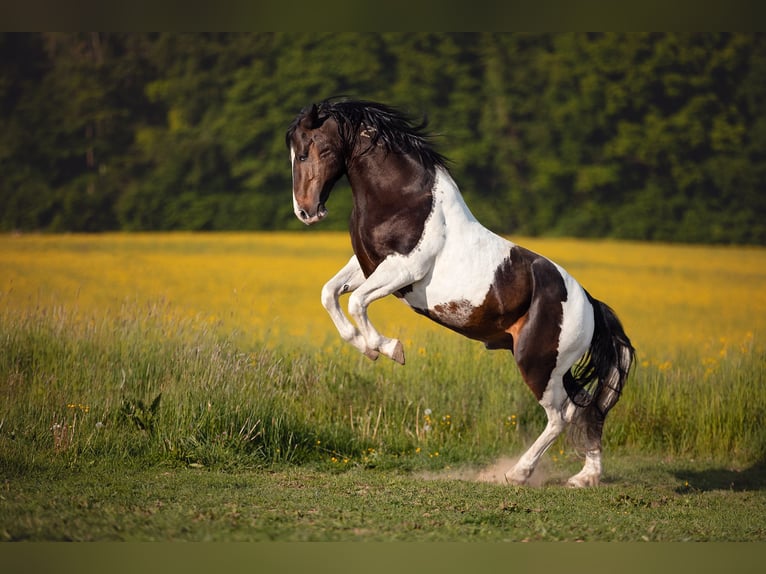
[(309, 218)]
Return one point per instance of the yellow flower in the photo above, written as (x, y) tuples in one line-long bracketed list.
[(665, 366)]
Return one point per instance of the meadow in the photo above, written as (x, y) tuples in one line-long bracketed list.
[(206, 361)]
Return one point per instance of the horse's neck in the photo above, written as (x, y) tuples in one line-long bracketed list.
[(385, 184), (454, 206), (380, 174)]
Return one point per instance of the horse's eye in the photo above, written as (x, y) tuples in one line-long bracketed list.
[(303, 157)]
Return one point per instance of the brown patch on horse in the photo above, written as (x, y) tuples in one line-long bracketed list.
[(382, 226), (507, 301), (521, 312), (514, 329), (537, 343)]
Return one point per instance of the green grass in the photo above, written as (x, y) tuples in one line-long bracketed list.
[(642, 500), (169, 388), (149, 426)]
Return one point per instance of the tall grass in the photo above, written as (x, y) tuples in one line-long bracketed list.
[(103, 361), (168, 389), (158, 390)]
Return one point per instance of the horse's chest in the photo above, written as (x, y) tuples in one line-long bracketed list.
[(460, 282), (381, 231)]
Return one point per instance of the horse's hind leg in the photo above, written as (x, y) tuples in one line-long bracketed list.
[(589, 427), (552, 401), (590, 475), (556, 333)]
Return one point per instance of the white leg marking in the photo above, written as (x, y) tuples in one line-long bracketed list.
[(523, 469), (347, 280), (552, 401), (590, 475), (391, 275)]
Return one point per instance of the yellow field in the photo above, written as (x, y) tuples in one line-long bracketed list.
[(266, 285)]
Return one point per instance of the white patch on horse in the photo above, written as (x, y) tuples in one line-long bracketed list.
[(463, 256), (577, 323)]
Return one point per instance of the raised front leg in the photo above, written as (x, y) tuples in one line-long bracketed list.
[(390, 276), (346, 281)]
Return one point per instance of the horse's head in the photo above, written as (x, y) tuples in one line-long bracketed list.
[(317, 162)]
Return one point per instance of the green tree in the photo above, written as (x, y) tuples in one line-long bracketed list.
[(645, 136)]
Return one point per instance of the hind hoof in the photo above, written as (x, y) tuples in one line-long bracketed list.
[(583, 481), (517, 477)]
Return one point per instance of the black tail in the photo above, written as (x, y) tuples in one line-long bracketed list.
[(596, 382)]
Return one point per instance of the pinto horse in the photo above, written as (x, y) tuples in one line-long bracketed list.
[(413, 236)]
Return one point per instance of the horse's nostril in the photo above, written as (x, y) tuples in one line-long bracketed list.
[(303, 214)]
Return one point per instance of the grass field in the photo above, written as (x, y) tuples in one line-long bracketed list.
[(190, 386)]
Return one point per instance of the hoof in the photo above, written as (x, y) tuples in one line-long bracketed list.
[(582, 481), (371, 354), (515, 478), (398, 354)]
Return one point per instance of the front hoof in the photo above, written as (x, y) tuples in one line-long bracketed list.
[(398, 354), (393, 349), (371, 354)]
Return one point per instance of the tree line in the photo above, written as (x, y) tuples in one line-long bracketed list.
[(649, 136)]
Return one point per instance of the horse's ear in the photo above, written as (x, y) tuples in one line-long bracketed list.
[(311, 119)]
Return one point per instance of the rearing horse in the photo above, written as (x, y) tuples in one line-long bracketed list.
[(413, 236)]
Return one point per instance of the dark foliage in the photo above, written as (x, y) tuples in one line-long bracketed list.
[(639, 136)]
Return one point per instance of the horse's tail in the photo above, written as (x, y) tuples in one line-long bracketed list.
[(596, 382)]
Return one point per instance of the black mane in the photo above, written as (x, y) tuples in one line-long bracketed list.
[(363, 122)]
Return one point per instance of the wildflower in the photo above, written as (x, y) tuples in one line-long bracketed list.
[(78, 406)]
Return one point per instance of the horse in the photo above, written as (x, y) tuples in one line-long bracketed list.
[(413, 236)]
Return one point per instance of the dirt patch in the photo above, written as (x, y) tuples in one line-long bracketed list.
[(495, 473)]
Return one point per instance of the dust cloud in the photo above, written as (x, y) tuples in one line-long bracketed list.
[(495, 473)]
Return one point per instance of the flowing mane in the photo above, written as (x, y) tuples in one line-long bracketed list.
[(362, 122)]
